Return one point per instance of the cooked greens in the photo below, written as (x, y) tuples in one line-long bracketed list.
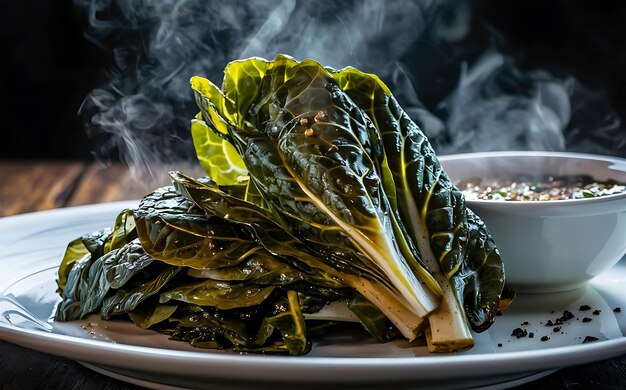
[(320, 189)]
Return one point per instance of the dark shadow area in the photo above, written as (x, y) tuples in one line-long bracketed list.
[(48, 66), (47, 69)]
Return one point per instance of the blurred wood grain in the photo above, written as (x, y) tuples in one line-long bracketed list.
[(35, 186), (43, 185), (116, 182)]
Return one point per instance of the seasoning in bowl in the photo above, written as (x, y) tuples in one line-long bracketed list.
[(523, 188), (547, 246)]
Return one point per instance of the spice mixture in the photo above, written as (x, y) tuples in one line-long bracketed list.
[(550, 188)]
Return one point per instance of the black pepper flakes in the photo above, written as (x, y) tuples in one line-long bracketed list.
[(499, 344), (519, 332), (617, 310), (590, 339), (556, 329), (584, 307), (524, 323), (567, 315), (545, 338), (596, 312), (531, 335), (587, 319)]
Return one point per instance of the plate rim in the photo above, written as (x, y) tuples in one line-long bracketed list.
[(329, 369)]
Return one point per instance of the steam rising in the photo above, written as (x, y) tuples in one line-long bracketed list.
[(144, 110), (481, 115)]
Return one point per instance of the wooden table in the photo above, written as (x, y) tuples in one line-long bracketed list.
[(35, 186)]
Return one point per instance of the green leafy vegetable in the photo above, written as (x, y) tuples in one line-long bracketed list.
[(75, 251), (172, 231), (218, 157), (374, 320), (146, 316), (96, 244), (305, 156), (324, 202), (219, 294), (343, 267), (427, 202)]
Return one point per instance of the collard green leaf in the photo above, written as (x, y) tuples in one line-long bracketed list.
[(218, 157), (329, 271), (146, 316), (373, 320), (130, 260), (426, 204), (262, 268), (266, 230), (86, 288), (123, 231), (290, 324), (214, 105), (76, 287), (277, 327), (429, 204), (427, 201), (96, 286), (90, 282), (94, 242), (242, 81), (480, 278), (313, 170), (74, 252), (171, 231), (97, 244), (149, 283), (218, 294), (217, 328), (134, 276)]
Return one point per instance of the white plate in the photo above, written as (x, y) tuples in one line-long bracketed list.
[(32, 245)]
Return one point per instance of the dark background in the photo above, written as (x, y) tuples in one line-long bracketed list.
[(47, 66)]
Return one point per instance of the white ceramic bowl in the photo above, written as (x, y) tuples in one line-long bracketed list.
[(555, 245)]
